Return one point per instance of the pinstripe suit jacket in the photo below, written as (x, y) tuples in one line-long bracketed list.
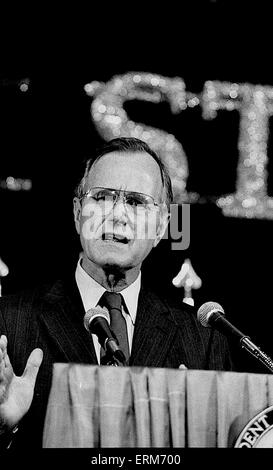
[(51, 317)]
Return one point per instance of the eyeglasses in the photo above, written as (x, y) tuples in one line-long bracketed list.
[(108, 197)]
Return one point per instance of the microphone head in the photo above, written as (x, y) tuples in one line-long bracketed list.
[(93, 313), (206, 310)]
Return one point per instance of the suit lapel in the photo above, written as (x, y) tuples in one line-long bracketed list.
[(62, 315), (154, 332)]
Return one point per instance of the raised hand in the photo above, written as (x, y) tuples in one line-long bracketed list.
[(16, 393)]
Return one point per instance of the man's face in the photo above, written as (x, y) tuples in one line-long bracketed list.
[(121, 237)]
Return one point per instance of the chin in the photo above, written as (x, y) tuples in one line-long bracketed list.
[(117, 264)]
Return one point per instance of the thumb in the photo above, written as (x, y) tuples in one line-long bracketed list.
[(32, 366)]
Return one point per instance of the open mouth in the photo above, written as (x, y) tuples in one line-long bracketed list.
[(113, 237)]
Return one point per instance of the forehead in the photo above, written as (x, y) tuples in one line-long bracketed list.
[(134, 171)]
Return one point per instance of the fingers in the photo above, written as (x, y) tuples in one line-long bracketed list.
[(6, 370), (3, 342), (32, 366), (4, 359), (33, 363), (4, 270)]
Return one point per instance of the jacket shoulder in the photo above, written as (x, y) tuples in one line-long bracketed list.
[(171, 302)]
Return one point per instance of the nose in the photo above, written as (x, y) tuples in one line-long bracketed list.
[(120, 211)]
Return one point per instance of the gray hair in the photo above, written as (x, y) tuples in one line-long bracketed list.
[(125, 144)]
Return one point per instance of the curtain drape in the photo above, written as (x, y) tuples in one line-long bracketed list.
[(92, 406)]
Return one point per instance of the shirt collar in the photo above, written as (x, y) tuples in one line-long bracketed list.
[(91, 291)]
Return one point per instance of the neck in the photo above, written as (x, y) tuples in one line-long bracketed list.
[(112, 278)]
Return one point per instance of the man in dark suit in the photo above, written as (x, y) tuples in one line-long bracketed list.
[(121, 211)]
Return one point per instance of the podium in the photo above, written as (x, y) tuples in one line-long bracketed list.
[(104, 406)]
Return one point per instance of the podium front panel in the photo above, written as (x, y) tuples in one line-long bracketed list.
[(104, 406)]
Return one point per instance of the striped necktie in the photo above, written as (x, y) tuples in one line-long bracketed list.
[(113, 302)]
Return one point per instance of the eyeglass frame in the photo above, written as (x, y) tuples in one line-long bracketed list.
[(117, 197)]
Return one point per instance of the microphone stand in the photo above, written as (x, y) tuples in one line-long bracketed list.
[(112, 362), (247, 344), (114, 357)]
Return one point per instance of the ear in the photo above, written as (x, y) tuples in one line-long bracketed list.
[(164, 219), (77, 209)]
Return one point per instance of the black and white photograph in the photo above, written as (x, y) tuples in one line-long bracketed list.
[(136, 205)]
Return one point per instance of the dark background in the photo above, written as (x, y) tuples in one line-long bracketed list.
[(47, 132)]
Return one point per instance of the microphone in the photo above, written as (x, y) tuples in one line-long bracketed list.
[(211, 314), (97, 321)]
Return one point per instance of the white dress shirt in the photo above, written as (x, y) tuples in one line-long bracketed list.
[(91, 292)]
